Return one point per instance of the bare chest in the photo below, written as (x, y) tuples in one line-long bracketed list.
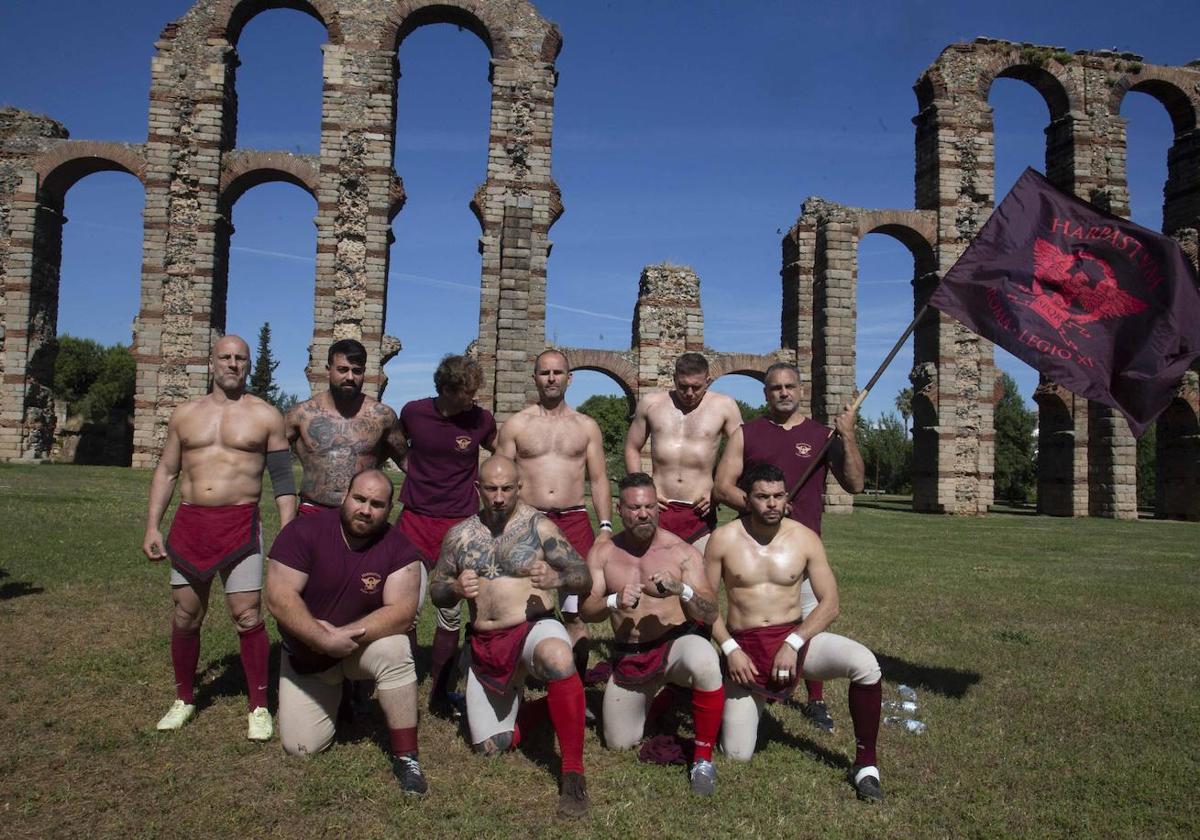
[(759, 566), (627, 569), (328, 434), (541, 437), (232, 427), (699, 425), (508, 555)]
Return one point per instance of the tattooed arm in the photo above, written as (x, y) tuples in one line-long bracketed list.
[(447, 586), (396, 444), (702, 606), (566, 570)]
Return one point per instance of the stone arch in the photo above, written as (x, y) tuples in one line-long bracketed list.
[(1160, 84), (66, 163), (1177, 490), (1056, 479), (231, 16), (243, 170), (478, 18), (745, 364), (914, 229), (610, 363), (1056, 89)]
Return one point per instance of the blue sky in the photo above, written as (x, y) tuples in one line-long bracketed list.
[(684, 131)]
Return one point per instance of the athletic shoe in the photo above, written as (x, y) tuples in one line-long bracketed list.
[(260, 726), (704, 778), (407, 771), (817, 714), (572, 796), (450, 706), (179, 714), (866, 783)]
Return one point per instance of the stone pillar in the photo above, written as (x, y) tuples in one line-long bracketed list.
[(796, 333), (1177, 480), (667, 322)]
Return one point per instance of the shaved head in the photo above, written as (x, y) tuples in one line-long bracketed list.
[(231, 342), (499, 467)]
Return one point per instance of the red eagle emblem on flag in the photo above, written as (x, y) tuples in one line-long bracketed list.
[(1070, 290)]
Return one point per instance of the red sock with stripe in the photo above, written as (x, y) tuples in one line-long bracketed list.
[(706, 719), (564, 699), (256, 655)]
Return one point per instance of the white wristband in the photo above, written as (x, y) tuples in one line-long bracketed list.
[(605, 525), (687, 593), (729, 646), (795, 640), (613, 600)]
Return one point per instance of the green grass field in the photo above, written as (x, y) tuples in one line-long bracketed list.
[(1055, 662)]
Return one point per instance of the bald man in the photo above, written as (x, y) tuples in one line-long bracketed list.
[(507, 562), (216, 449)]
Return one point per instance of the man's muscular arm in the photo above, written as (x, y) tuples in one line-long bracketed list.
[(702, 605), (729, 471), (506, 439), (561, 567), (276, 440), (284, 587), (401, 592), (448, 586), (162, 487), (635, 438), (396, 444), (845, 458), (824, 586), (741, 669), (597, 471)]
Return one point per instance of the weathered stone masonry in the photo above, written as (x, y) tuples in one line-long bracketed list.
[(193, 173)]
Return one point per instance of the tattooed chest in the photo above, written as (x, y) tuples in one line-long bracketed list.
[(508, 555), (352, 438)]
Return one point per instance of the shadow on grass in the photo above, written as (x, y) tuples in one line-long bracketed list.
[(225, 678), (16, 588), (770, 729), (948, 682)]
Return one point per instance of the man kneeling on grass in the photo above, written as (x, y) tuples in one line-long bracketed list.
[(344, 587), (506, 562), (763, 558)]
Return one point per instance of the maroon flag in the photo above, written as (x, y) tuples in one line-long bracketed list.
[(1104, 307)]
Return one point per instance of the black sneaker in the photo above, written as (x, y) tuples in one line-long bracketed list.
[(407, 771), (450, 706), (572, 796), (866, 783), (818, 714)]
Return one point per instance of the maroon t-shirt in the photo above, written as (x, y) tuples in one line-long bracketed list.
[(343, 584), (792, 450), (443, 458)]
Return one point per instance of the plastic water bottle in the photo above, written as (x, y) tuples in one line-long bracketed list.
[(908, 707), (916, 727), (907, 693)]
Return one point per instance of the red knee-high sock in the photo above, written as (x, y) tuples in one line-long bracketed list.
[(706, 718), (530, 717), (815, 689), (864, 712), (445, 651), (256, 652), (404, 741), (185, 656), (564, 699)]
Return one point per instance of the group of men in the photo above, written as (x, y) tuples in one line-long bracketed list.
[(512, 539)]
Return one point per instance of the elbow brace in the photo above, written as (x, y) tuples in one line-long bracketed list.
[(279, 466)]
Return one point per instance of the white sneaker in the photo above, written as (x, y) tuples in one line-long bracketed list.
[(260, 726), (179, 714)]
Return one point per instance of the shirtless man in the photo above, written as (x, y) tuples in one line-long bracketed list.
[(789, 440), (684, 426), (554, 446), (650, 584), (344, 586), (762, 559), (341, 432), (506, 562), (219, 444)]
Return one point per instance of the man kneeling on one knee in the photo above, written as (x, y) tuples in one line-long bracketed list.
[(763, 559), (344, 587), (506, 562), (651, 585)]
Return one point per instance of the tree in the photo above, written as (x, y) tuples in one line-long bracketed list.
[(904, 405), (750, 412), (1015, 469), (611, 414), (93, 379), (262, 380), (887, 453), (1147, 457)]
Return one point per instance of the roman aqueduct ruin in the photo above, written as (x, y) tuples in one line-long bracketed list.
[(193, 170)]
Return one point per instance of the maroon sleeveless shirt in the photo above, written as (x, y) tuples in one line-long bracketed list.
[(792, 450)]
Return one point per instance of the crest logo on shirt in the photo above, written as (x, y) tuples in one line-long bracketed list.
[(463, 443), (803, 449), (370, 582)]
